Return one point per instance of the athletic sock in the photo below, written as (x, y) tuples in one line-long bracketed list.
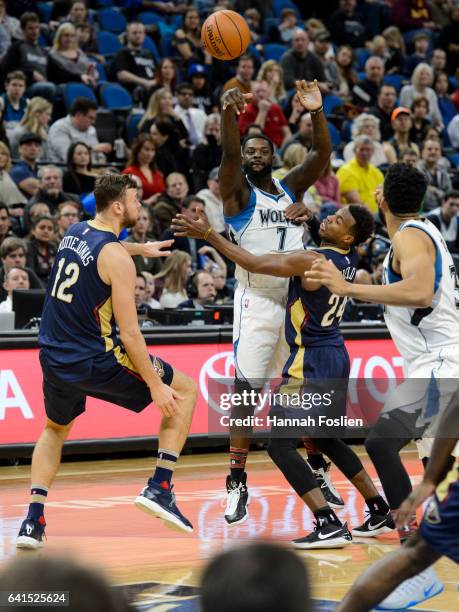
[(38, 495), (165, 465), (377, 505), (238, 458), (327, 513), (315, 458)]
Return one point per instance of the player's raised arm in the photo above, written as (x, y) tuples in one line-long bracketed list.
[(234, 188), (292, 264), (301, 177)]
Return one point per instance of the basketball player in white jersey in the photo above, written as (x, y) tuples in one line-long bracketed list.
[(261, 212), (422, 300)]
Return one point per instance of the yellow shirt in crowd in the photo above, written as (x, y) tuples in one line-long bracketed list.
[(352, 176)]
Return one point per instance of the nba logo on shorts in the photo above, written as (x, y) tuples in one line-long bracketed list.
[(432, 515)]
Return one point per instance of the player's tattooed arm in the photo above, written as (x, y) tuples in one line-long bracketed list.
[(234, 188), (148, 249)]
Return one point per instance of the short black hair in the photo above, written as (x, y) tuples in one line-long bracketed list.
[(364, 223), (258, 137), (184, 87), (27, 18), (82, 105), (188, 201), (3, 206), (453, 193), (404, 189)]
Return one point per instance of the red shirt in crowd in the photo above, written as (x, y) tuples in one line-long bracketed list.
[(157, 184), (275, 121)]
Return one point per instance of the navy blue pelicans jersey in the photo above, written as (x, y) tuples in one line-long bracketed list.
[(77, 325), (312, 318)]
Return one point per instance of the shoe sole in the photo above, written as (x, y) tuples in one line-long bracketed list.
[(242, 520), (154, 509), (332, 543), (371, 534), (26, 542), (336, 506), (415, 602)]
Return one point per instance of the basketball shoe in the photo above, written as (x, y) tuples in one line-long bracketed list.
[(325, 535), (374, 525), (31, 533), (160, 502), (415, 590), (322, 476), (237, 500)]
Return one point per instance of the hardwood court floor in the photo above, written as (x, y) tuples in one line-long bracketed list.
[(91, 517)]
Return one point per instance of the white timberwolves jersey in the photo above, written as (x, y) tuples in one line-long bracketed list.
[(261, 228), (417, 331)]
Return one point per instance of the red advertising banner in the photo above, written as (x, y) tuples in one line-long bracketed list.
[(21, 401)]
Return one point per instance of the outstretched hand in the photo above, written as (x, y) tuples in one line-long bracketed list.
[(309, 95), (195, 227), (154, 249), (235, 99)]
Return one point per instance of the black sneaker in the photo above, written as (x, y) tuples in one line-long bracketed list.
[(161, 503), (375, 524), (237, 500), (326, 486), (31, 533), (325, 535)]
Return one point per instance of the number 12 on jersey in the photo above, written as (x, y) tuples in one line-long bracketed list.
[(61, 286)]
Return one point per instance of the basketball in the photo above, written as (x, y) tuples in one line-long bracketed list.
[(225, 35)]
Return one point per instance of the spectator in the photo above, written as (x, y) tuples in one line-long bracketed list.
[(191, 206), (35, 120), (50, 189), (10, 26), (207, 154), (387, 97), (39, 209), (213, 202), (224, 295), (142, 164), (395, 63), (67, 63), (299, 63), (253, 19), (77, 126), (365, 93), (133, 65), (421, 47), (16, 278), (187, 39), (165, 75), (41, 247), (446, 220), (294, 111), (410, 157), (244, 75), (9, 191), (322, 45), (13, 100), (166, 139), (421, 81), (175, 274), (439, 10), (192, 118), (271, 72), (327, 187), (231, 581), (68, 213), (304, 134), (25, 172), (286, 28), (412, 15), (161, 105), (31, 58), (347, 25), (13, 255), (347, 77), (141, 233), (400, 141), (150, 290), (201, 291), (203, 97), (293, 154), (5, 222), (438, 61), (455, 95), (438, 180), (263, 112), (449, 40), (368, 125), (140, 292), (170, 202), (441, 88), (79, 16), (79, 177), (358, 179), (453, 132), (420, 123)]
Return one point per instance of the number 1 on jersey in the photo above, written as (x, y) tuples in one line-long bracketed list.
[(72, 272)]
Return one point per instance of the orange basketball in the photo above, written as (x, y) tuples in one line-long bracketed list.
[(225, 35)]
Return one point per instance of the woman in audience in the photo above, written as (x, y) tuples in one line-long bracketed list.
[(328, 187), (9, 192), (175, 274), (150, 290), (67, 62), (142, 232), (347, 77), (293, 155), (187, 39), (395, 62), (41, 247), (368, 125), (272, 72), (420, 109), (160, 105), (79, 177), (67, 214), (165, 75), (36, 120), (421, 82), (142, 163), (441, 88)]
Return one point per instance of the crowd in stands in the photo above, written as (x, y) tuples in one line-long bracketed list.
[(125, 86)]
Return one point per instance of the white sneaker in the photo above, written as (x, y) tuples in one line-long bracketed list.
[(413, 591)]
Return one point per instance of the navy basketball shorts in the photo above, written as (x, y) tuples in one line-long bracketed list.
[(110, 381), (440, 524)]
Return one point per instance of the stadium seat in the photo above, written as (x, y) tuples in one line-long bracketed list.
[(278, 5), (149, 18), (330, 103), (112, 20), (132, 126), (273, 51), (270, 22), (102, 72), (362, 56), (106, 127), (150, 44), (77, 90), (454, 159), (44, 11), (166, 44), (394, 79), (114, 97), (334, 135), (108, 43)]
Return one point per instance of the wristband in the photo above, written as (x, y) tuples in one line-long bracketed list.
[(207, 233), (317, 111)]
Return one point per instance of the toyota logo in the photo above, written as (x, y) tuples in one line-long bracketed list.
[(219, 366)]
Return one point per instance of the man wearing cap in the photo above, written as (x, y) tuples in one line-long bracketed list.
[(25, 172), (213, 202), (400, 141), (322, 44), (202, 93)]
